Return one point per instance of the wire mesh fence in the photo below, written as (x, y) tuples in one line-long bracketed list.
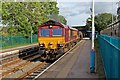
[(110, 53), (10, 40)]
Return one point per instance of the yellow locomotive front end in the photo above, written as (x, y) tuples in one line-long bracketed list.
[(51, 39), (51, 42)]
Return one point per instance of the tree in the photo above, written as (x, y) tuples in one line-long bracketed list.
[(101, 21), (88, 24), (26, 16), (58, 18), (62, 19)]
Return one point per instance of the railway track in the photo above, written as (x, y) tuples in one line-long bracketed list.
[(34, 73), (17, 59), (15, 63), (12, 55)]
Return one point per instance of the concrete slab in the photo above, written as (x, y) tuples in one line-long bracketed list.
[(81, 68)]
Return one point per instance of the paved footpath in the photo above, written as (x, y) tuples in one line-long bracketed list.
[(74, 65)]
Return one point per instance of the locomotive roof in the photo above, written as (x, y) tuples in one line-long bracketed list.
[(73, 28), (53, 23)]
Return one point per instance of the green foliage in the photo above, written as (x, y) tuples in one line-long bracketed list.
[(101, 21), (88, 23), (24, 17), (58, 18), (118, 17), (62, 19), (0, 8)]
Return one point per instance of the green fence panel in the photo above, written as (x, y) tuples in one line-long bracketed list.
[(110, 53), (0, 42), (16, 40), (34, 38)]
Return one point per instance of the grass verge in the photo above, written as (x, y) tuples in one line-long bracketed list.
[(17, 45), (99, 64)]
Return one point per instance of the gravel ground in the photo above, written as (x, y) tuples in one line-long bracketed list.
[(22, 70)]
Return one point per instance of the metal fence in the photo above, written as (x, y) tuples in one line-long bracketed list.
[(6, 41), (112, 29), (110, 53)]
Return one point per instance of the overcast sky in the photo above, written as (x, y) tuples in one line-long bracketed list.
[(77, 11)]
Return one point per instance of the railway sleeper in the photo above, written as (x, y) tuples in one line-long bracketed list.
[(34, 74), (28, 51), (29, 78)]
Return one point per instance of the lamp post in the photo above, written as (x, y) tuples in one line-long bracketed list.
[(93, 28), (92, 52)]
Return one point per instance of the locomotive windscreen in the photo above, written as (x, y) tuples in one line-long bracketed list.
[(44, 32), (57, 32)]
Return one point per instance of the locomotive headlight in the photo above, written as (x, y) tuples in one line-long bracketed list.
[(61, 45), (50, 26), (41, 45), (50, 43)]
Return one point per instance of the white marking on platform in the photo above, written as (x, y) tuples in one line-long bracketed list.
[(86, 38)]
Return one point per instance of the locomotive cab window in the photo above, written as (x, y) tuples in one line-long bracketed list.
[(44, 32), (57, 32)]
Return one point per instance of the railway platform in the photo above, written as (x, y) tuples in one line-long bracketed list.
[(19, 47), (73, 65)]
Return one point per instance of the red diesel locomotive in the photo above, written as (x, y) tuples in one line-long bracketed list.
[(54, 37)]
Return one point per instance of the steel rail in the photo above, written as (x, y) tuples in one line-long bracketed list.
[(20, 66), (32, 70)]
